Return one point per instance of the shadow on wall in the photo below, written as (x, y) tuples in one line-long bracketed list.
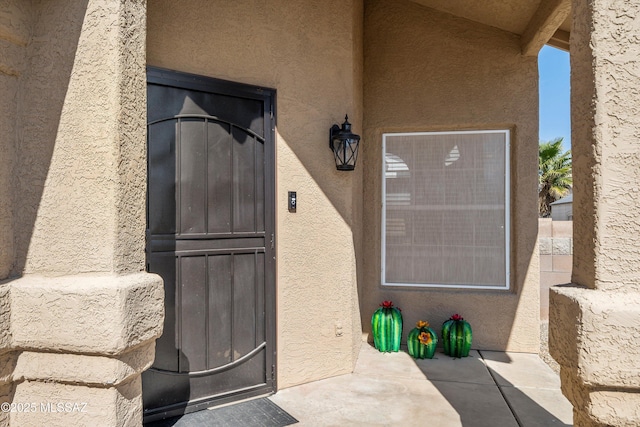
[(43, 87), (318, 244), (404, 101), (7, 390)]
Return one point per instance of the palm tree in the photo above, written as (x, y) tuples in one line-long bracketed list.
[(554, 174)]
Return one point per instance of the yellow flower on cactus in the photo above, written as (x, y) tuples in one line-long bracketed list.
[(424, 338), (422, 324)]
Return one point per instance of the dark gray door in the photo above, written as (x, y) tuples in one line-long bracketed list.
[(210, 236)]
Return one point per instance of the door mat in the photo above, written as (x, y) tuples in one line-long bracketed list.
[(252, 413)]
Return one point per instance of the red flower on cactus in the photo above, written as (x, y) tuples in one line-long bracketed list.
[(386, 304), (424, 338), (456, 317)]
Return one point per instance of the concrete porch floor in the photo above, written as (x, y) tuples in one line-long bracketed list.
[(488, 388)]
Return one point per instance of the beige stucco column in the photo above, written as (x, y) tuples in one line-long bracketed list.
[(594, 322), (14, 35), (79, 314)]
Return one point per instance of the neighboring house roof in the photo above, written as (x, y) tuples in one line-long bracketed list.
[(564, 200)]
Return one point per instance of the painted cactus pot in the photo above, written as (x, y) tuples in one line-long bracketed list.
[(456, 336), (422, 341), (386, 324)]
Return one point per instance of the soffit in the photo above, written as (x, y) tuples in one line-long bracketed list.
[(508, 15), (566, 25)]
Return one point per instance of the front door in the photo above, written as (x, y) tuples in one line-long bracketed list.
[(210, 236)]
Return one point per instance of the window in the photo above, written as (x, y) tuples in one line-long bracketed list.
[(445, 213)]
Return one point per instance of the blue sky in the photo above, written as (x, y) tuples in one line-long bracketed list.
[(555, 119)]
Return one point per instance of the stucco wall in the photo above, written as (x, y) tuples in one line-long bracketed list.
[(593, 324), (7, 357), (75, 144), (429, 71), (73, 90), (310, 52), (605, 130), (14, 36)]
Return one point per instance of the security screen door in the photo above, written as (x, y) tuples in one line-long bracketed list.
[(210, 236)]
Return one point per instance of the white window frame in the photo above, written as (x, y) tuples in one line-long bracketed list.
[(507, 212)]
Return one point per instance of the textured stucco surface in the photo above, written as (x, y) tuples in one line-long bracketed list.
[(310, 52), (611, 408), (14, 36), (114, 406), (5, 317), (130, 137), (593, 325), (80, 339), (99, 371), (7, 356), (429, 71), (86, 313), (593, 336), (72, 152), (600, 335), (605, 63), (357, 184), (543, 24), (79, 317), (80, 153), (508, 15)]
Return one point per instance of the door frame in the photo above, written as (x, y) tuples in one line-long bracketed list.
[(182, 80)]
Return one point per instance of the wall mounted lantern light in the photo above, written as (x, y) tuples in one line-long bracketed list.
[(344, 145)]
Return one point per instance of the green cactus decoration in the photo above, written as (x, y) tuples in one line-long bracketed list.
[(386, 324), (456, 336), (422, 341)]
